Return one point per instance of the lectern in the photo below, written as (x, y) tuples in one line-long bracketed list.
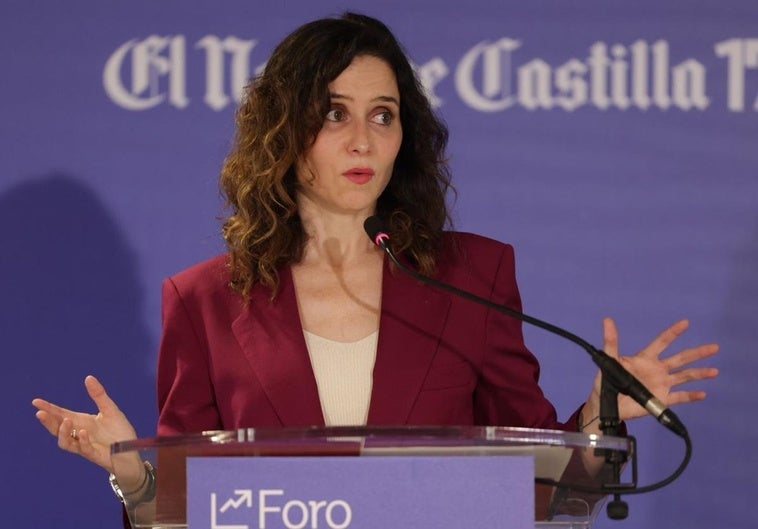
[(365, 477)]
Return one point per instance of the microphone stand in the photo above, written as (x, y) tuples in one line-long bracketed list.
[(610, 424)]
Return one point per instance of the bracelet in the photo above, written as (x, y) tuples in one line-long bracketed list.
[(582, 427), (148, 480)]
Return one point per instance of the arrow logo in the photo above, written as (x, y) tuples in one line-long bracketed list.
[(244, 496)]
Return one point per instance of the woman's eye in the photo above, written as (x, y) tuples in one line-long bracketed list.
[(335, 114), (384, 118)]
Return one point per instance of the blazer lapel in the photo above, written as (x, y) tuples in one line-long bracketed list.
[(412, 320), (271, 338)]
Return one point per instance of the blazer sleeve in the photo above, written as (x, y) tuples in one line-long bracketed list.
[(186, 400), (508, 392)]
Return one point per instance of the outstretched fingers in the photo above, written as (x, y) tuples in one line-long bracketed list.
[(50, 415), (50, 423), (689, 356), (693, 374), (684, 397), (50, 408), (85, 434), (666, 338)]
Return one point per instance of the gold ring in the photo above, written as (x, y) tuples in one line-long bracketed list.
[(74, 434)]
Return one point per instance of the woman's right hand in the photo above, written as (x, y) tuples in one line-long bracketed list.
[(85, 434)]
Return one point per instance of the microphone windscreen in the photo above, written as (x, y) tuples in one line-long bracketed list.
[(373, 226)]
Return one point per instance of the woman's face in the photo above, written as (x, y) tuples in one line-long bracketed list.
[(351, 161)]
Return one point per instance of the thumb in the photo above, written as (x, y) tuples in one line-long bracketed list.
[(610, 338), (97, 393)]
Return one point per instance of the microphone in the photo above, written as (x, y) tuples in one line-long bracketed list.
[(619, 377)]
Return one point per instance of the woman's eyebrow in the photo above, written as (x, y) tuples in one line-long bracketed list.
[(383, 99)]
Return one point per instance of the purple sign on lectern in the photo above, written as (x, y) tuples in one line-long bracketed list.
[(360, 492)]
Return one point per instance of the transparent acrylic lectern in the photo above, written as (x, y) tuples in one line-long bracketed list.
[(557, 455)]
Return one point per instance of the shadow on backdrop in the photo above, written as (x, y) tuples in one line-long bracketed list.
[(70, 306)]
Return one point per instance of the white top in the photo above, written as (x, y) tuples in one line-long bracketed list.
[(344, 376)]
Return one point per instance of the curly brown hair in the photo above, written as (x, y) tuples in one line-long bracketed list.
[(277, 123)]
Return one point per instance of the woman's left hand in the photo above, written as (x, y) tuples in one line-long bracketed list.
[(660, 375)]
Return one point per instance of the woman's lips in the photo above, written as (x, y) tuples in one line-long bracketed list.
[(359, 175)]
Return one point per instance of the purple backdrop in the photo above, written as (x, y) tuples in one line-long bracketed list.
[(610, 145)]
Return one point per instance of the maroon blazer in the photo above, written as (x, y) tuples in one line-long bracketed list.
[(440, 360)]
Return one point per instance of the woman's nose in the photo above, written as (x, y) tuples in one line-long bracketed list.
[(359, 138)]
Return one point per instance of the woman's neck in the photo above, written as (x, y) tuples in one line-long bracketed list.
[(335, 239)]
